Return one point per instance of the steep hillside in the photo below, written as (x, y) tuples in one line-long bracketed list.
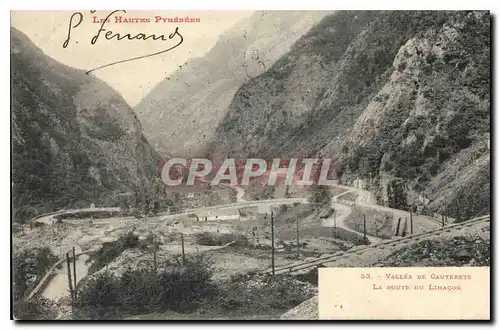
[(74, 140), (397, 99), (181, 113)]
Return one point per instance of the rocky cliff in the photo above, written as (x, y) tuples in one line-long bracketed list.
[(75, 141), (399, 100), (181, 113)]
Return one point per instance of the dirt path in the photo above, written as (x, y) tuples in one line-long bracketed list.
[(49, 218), (363, 196), (58, 285), (341, 212), (239, 191), (367, 201)]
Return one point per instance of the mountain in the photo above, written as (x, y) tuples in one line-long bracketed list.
[(181, 113), (400, 100), (75, 141)]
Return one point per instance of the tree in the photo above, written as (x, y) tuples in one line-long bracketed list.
[(284, 208), (29, 266), (175, 286), (397, 195), (38, 308), (320, 196)]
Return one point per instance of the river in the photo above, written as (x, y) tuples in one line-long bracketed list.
[(58, 285)]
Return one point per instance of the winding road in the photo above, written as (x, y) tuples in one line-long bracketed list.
[(342, 209)]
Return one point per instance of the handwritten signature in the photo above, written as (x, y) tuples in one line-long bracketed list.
[(77, 18)]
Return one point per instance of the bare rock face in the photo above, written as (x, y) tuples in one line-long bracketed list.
[(181, 113), (75, 141)]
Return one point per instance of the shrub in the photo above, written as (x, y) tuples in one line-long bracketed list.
[(259, 192), (311, 276), (98, 298), (262, 293), (38, 308), (320, 197), (176, 287), (29, 266), (459, 251), (284, 208), (111, 250)]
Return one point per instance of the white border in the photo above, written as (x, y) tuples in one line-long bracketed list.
[(199, 4)]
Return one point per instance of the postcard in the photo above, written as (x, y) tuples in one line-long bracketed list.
[(250, 165)]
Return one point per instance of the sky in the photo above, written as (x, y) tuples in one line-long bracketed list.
[(134, 79)]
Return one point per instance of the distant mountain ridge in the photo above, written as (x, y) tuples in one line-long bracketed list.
[(181, 113), (75, 141)]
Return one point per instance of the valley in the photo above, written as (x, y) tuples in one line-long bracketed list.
[(88, 233), (395, 104)]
